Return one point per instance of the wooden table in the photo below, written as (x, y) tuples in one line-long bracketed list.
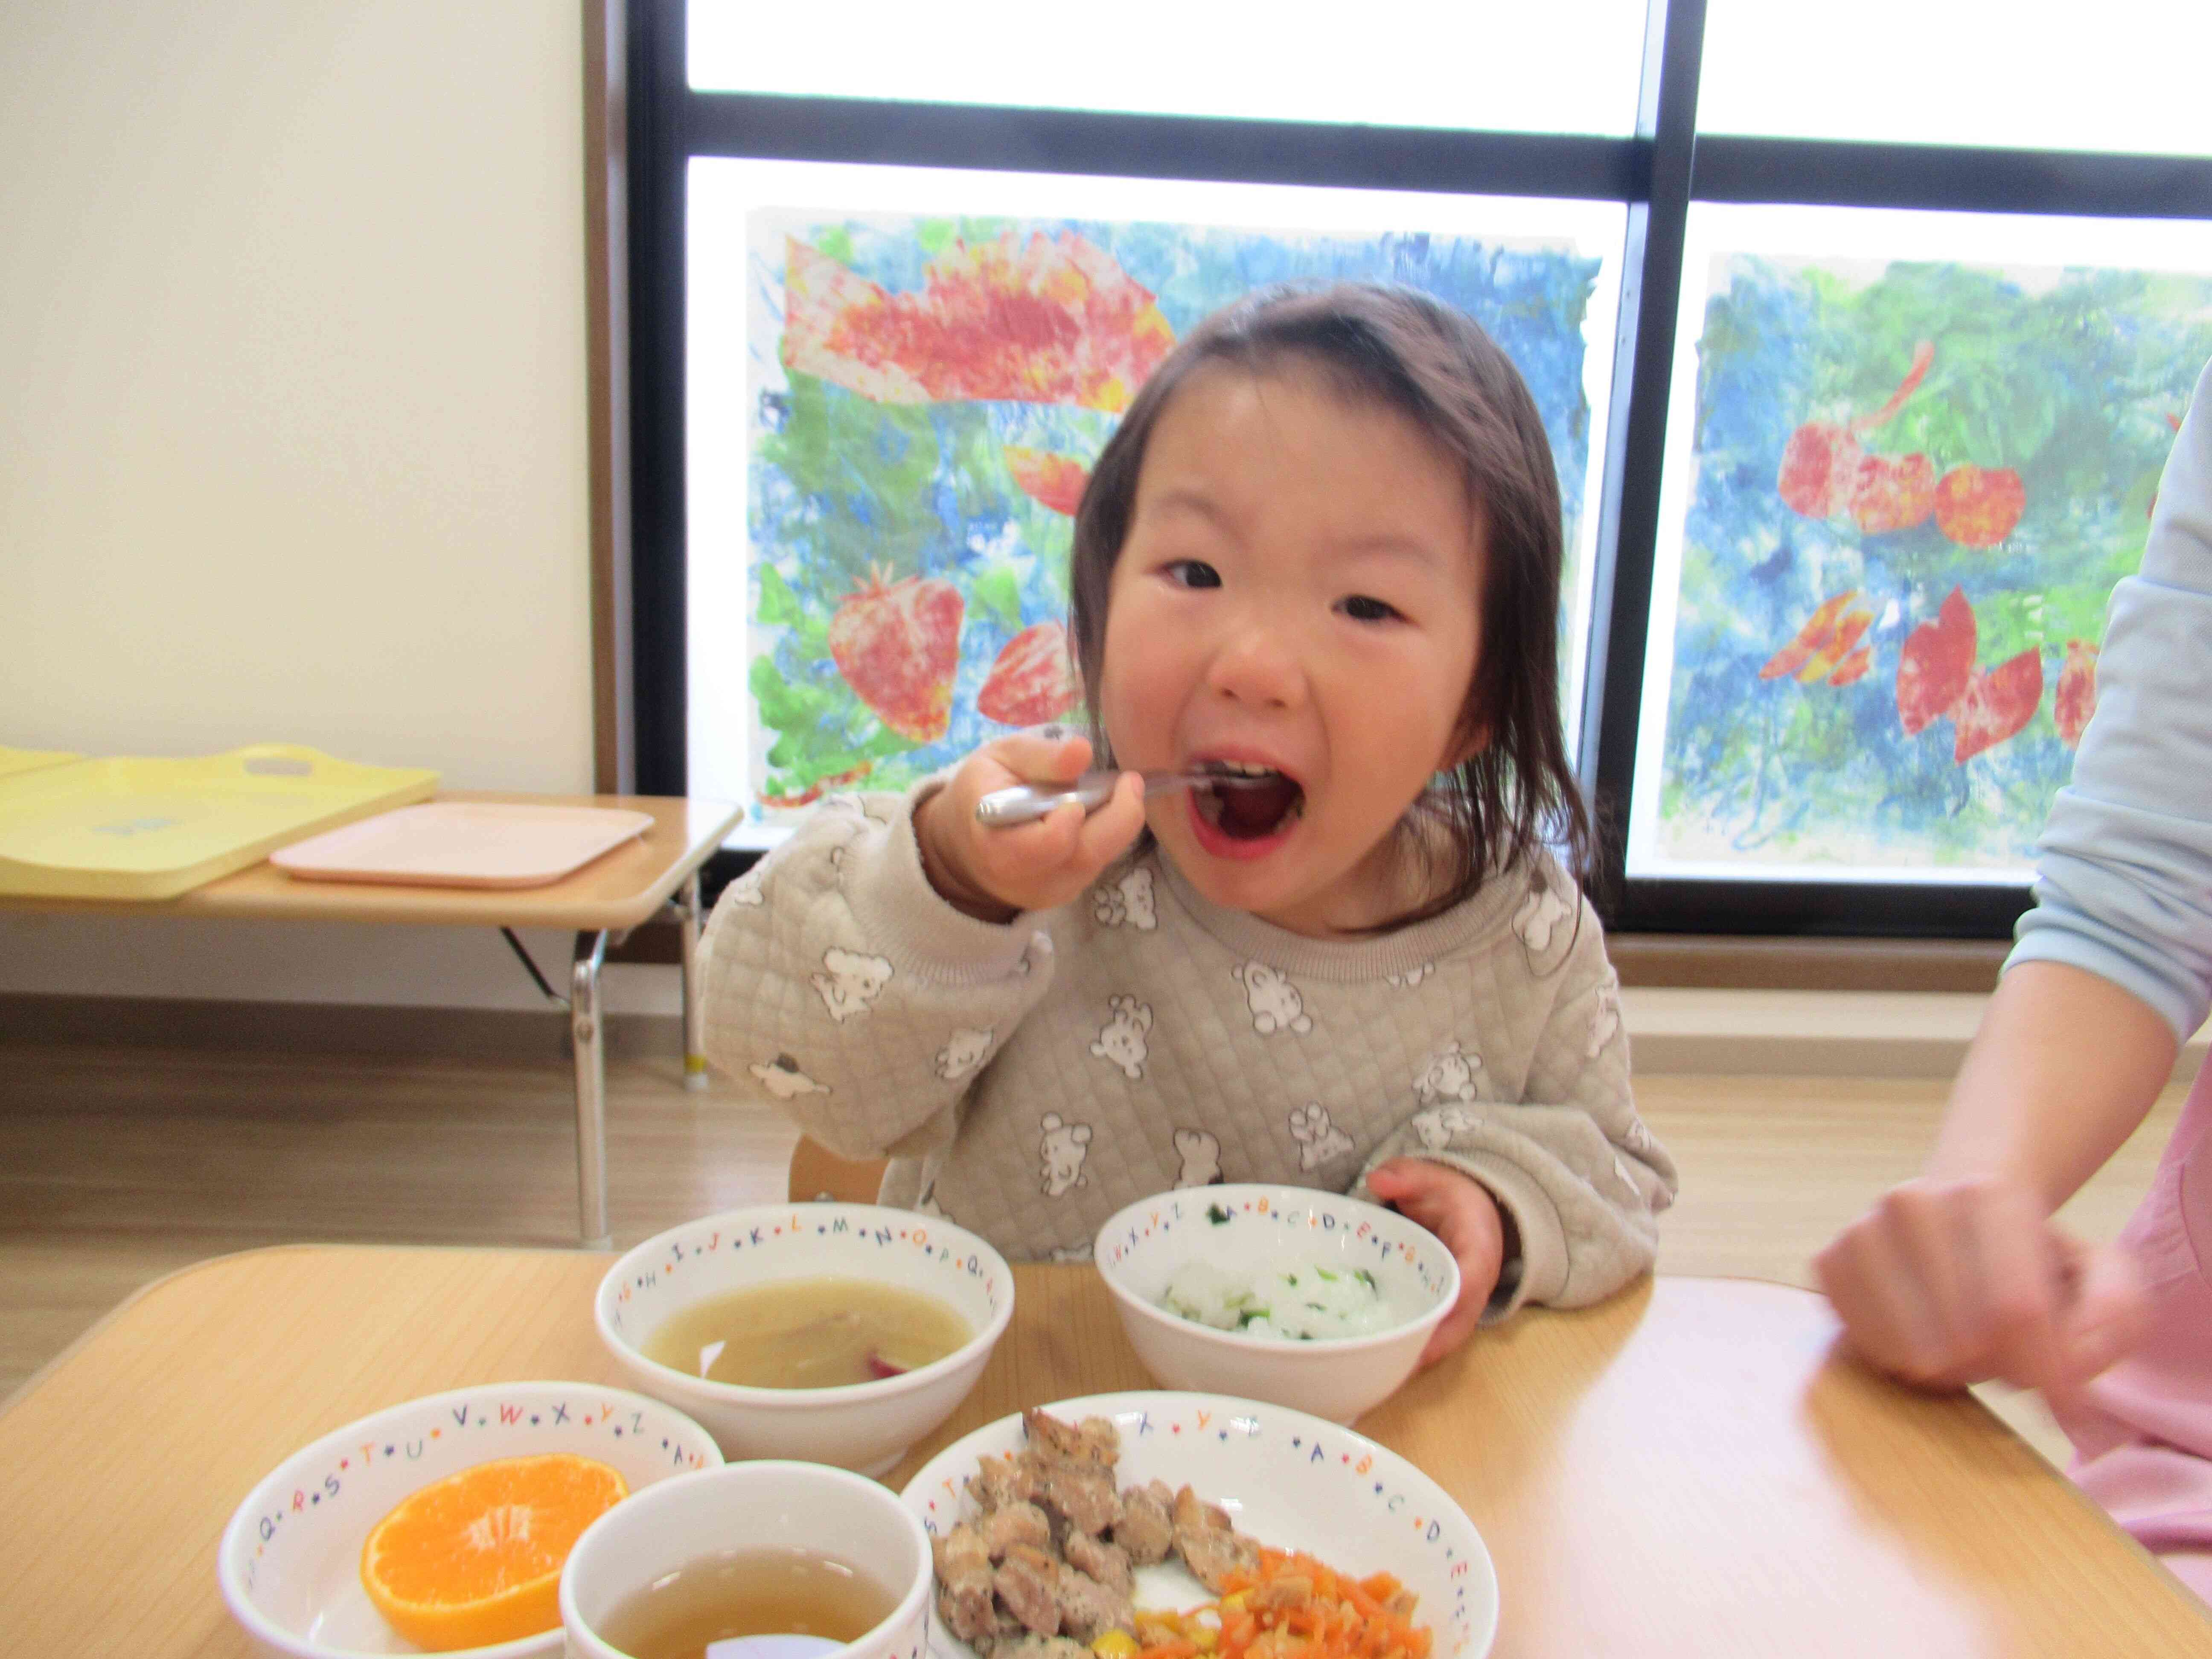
[(1683, 1470), (632, 884)]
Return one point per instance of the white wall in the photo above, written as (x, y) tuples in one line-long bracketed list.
[(292, 426)]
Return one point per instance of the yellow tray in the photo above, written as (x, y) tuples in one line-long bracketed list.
[(123, 828), (13, 761)]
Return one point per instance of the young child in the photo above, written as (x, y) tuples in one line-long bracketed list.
[(1323, 549)]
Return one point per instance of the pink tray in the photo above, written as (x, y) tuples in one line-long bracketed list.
[(453, 843)]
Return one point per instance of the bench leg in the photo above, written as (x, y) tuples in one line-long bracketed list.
[(694, 1005), (586, 1025)]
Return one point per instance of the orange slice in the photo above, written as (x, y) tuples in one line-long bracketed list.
[(476, 1558)]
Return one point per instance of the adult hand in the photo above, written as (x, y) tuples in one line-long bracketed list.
[(1459, 1210), (995, 872), (1948, 1283)]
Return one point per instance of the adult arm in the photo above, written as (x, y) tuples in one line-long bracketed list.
[(1960, 1275), (2123, 885), (2063, 1066)]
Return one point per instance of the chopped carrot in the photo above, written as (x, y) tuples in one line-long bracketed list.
[(1291, 1606), (1366, 1605)]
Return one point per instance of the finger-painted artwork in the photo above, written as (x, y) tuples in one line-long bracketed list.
[(927, 397), (1915, 486)]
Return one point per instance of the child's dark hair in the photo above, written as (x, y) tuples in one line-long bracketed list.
[(1404, 350)]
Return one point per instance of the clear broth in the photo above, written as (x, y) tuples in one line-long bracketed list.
[(761, 1592), (808, 1334)]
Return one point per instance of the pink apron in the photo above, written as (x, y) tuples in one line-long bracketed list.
[(2143, 1431)]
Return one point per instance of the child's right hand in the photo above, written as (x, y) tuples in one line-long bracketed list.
[(1948, 1282), (994, 873)]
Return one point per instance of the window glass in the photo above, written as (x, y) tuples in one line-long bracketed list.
[(863, 469), (1565, 66), (2123, 75), (1908, 455)]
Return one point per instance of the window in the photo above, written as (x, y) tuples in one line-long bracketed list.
[(1908, 456), (1845, 369), (1446, 64), (2050, 75), (855, 453)]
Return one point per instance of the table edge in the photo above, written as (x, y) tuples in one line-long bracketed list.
[(22, 1390)]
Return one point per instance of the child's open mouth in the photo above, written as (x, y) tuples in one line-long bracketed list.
[(1260, 802)]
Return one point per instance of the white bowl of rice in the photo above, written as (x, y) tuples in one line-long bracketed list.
[(1300, 1297)]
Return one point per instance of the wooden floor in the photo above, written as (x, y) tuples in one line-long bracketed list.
[(119, 1165)]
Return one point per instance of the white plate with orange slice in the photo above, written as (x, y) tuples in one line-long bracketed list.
[(291, 1564)]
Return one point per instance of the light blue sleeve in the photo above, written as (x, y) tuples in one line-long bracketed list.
[(2124, 886)]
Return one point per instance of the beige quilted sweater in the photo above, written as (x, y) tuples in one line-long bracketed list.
[(1029, 1080)]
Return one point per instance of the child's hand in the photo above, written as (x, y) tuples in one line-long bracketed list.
[(993, 874), (1948, 1283), (1459, 1210)]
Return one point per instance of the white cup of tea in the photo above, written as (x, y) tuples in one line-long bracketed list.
[(760, 1560)]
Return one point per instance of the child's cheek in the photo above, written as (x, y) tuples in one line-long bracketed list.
[(1163, 812), (1135, 724)]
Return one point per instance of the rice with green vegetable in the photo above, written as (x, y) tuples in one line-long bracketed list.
[(1295, 1304)]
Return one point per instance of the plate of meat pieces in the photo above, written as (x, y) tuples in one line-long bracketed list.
[(1157, 1525)]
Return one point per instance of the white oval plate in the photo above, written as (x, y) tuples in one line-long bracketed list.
[(1289, 1480)]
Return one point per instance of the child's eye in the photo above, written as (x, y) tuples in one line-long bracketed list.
[(1193, 573), (1362, 608)]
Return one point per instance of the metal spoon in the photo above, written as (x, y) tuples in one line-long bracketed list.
[(1027, 802)]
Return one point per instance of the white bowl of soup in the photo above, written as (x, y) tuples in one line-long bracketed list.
[(777, 1560), (826, 1332), (1287, 1294)]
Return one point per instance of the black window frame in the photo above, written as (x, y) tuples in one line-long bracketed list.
[(1657, 171)]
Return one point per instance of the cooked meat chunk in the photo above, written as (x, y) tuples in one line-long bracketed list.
[(962, 1554), (1082, 1494), (1028, 1581), (973, 1618), (1212, 1555), (998, 1482), (1009, 1629), (1107, 1562), (1094, 1440), (1019, 1522), (1209, 1546), (1194, 1514), (1146, 1531), (1067, 1545), (963, 1596), (959, 1550), (1088, 1609)]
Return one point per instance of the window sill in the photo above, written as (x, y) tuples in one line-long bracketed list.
[(1800, 1033), (1719, 961)]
